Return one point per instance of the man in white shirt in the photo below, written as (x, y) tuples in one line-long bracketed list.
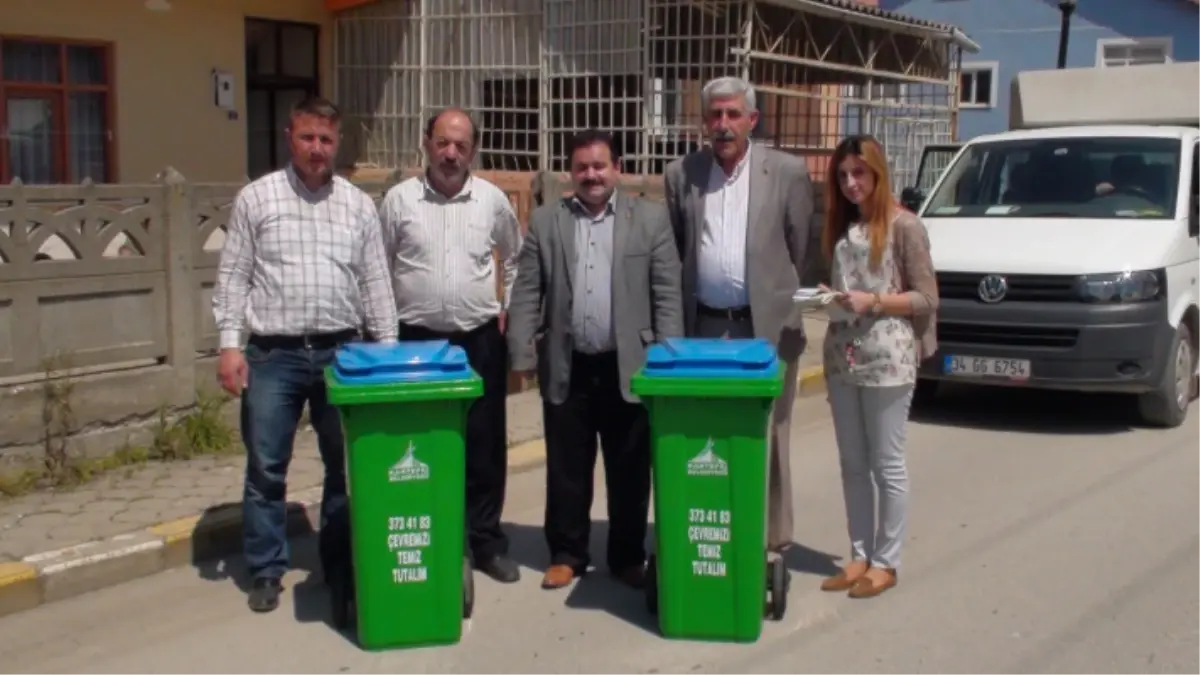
[(741, 216), (442, 229), (303, 262)]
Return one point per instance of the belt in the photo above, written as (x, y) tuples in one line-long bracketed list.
[(307, 341), (420, 329), (597, 358), (731, 313)]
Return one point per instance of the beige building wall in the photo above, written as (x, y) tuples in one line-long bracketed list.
[(165, 113)]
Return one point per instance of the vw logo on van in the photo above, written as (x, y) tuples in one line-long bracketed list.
[(993, 288)]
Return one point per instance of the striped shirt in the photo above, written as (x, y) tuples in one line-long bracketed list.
[(591, 307), (298, 262), (722, 251), (441, 252)]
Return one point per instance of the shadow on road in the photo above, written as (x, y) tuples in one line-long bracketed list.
[(597, 590), (1030, 411), (805, 560), (217, 557), (217, 543), (527, 546), (310, 597)]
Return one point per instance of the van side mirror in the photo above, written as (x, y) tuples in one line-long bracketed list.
[(911, 198)]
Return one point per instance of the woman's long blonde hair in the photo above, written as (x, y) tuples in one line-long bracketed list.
[(840, 212)]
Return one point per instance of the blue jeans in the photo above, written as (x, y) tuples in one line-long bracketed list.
[(281, 381)]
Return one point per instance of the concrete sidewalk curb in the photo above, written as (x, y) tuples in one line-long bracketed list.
[(48, 577)]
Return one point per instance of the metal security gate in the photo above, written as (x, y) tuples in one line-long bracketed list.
[(904, 139), (399, 61)]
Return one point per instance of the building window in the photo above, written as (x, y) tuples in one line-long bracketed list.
[(977, 85), (1117, 52), (895, 92), (281, 70), (55, 111)]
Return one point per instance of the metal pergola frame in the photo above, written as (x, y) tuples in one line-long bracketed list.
[(820, 57)]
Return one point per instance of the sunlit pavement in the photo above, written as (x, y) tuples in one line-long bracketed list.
[(1051, 536)]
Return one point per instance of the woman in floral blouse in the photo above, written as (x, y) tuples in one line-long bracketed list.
[(880, 328)]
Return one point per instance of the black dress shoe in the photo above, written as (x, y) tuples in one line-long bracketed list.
[(501, 568), (264, 595), (633, 576)]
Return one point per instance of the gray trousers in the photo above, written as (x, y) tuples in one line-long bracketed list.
[(779, 469), (870, 424)]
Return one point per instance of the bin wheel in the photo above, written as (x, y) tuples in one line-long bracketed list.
[(778, 583), (468, 589), (341, 599), (651, 585), (771, 581)]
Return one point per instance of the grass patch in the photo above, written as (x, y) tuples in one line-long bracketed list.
[(201, 431)]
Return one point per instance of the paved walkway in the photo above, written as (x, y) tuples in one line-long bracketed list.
[(140, 497)]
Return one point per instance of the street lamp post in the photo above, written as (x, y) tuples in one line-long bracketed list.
[(1067, 7)]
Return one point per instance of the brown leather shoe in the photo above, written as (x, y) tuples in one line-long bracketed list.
[(558, 576), (875, 581), (634, 577), (845, 579)]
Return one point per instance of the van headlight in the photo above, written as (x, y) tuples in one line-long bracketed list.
[(1136, 286)]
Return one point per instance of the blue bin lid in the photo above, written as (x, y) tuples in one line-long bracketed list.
[(711, 357), (365, 363)]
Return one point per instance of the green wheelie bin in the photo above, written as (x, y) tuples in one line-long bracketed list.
[(403, 409), (710, 404)]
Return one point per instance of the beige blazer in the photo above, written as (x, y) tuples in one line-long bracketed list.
[(781, 213)]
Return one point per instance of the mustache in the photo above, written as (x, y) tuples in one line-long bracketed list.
[(724, 135)]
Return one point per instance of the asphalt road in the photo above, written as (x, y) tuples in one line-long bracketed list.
[(1047, 535)]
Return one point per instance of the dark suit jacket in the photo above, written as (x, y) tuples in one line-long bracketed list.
[(781, 213), (645, 291)]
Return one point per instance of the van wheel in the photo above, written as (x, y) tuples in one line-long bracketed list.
[(1168, 405)]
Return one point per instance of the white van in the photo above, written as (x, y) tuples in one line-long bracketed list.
[(1067, 248)]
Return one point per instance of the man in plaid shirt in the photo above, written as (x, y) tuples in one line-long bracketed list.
[(302, 268)]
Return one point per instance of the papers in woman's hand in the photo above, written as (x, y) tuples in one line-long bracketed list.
[(817, 299), (808, 300), (812, 298)]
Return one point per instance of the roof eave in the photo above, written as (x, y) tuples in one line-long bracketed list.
[(865, 16), (963, 40)]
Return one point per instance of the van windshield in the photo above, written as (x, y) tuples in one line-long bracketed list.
[(1061, 178)]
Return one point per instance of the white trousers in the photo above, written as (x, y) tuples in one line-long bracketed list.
[(871, 424)]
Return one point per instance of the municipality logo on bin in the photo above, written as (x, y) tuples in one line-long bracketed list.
[(707, 463), (409, 467)]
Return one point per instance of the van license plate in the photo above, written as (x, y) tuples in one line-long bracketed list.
[(980, 366)]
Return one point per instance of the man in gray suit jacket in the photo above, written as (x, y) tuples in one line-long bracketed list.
[(741, 217), (597, 283)]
